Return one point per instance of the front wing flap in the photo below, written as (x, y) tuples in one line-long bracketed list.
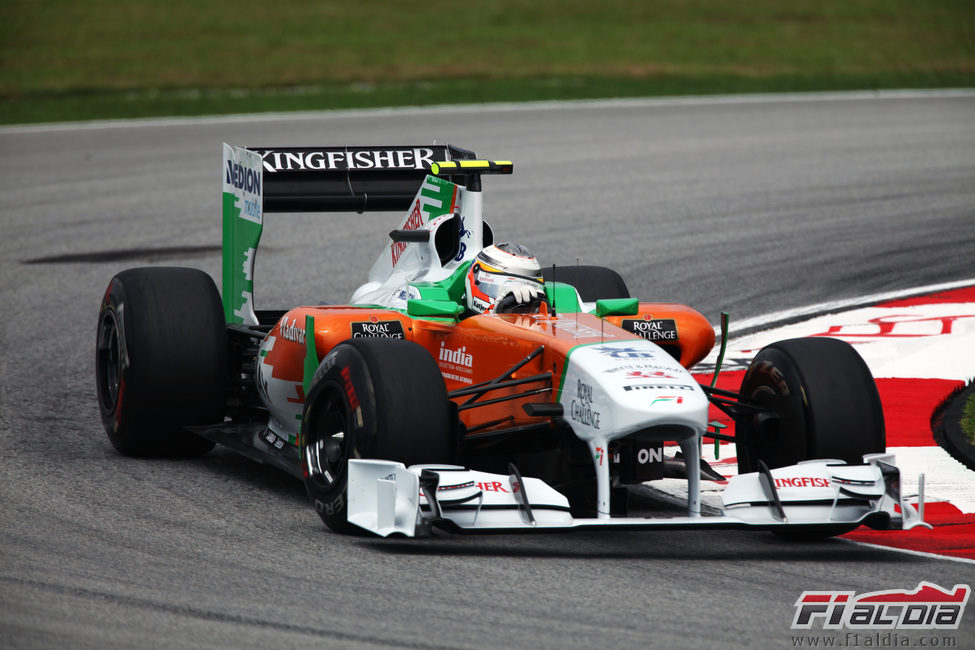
[(387, 498)]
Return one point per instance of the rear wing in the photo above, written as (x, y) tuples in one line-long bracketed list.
[(259, 180), (349, 179)]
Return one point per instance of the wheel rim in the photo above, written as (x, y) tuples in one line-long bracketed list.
[(326, 452), (762, 444), (109, 361)]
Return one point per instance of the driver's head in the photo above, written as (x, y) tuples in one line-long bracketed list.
[(499, 270)]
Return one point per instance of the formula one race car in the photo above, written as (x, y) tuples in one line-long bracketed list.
[(403, 411)]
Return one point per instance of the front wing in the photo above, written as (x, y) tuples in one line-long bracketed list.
[(387, 498)]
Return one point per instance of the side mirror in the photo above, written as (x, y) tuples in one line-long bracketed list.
[(617, 307), (436, 308)]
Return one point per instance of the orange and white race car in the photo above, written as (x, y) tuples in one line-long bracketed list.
[(406, 408)]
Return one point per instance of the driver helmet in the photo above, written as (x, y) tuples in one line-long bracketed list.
[(495, 270)]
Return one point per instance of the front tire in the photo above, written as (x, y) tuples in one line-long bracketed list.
[(371, 398), (821, 402), (160, 360)]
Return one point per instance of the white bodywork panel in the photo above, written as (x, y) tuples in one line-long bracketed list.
[(399, 264), (386, 498), (620, 388)]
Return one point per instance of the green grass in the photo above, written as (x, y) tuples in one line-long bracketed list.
[(65, 59), (968, 419)]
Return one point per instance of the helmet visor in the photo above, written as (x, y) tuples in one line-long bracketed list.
[(491, 283)]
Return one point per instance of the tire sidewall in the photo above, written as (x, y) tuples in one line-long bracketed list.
[(343, 372), (773, 374), (396, 409), (112, 414)]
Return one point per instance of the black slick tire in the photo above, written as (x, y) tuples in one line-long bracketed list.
[(160, 360), (371, 398), (822, 402)]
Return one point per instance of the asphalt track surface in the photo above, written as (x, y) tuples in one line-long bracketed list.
[(748, 206)]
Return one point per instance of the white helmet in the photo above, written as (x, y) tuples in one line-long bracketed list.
[(500, 270)]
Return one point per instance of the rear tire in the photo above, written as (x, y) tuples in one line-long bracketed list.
[(160, 360), (823, 400), (592, 282), (372, 398)]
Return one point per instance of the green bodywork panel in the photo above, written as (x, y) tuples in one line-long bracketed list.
[(437, 308), (617, 307), (451, 288), (311, 354), (562, 297), (240, 240)]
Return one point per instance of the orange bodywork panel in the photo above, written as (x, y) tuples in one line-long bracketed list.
[(485, 347), (672, 326)]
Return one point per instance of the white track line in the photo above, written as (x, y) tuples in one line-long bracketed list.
[(639, 102), (932, 556), (770, 321)]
